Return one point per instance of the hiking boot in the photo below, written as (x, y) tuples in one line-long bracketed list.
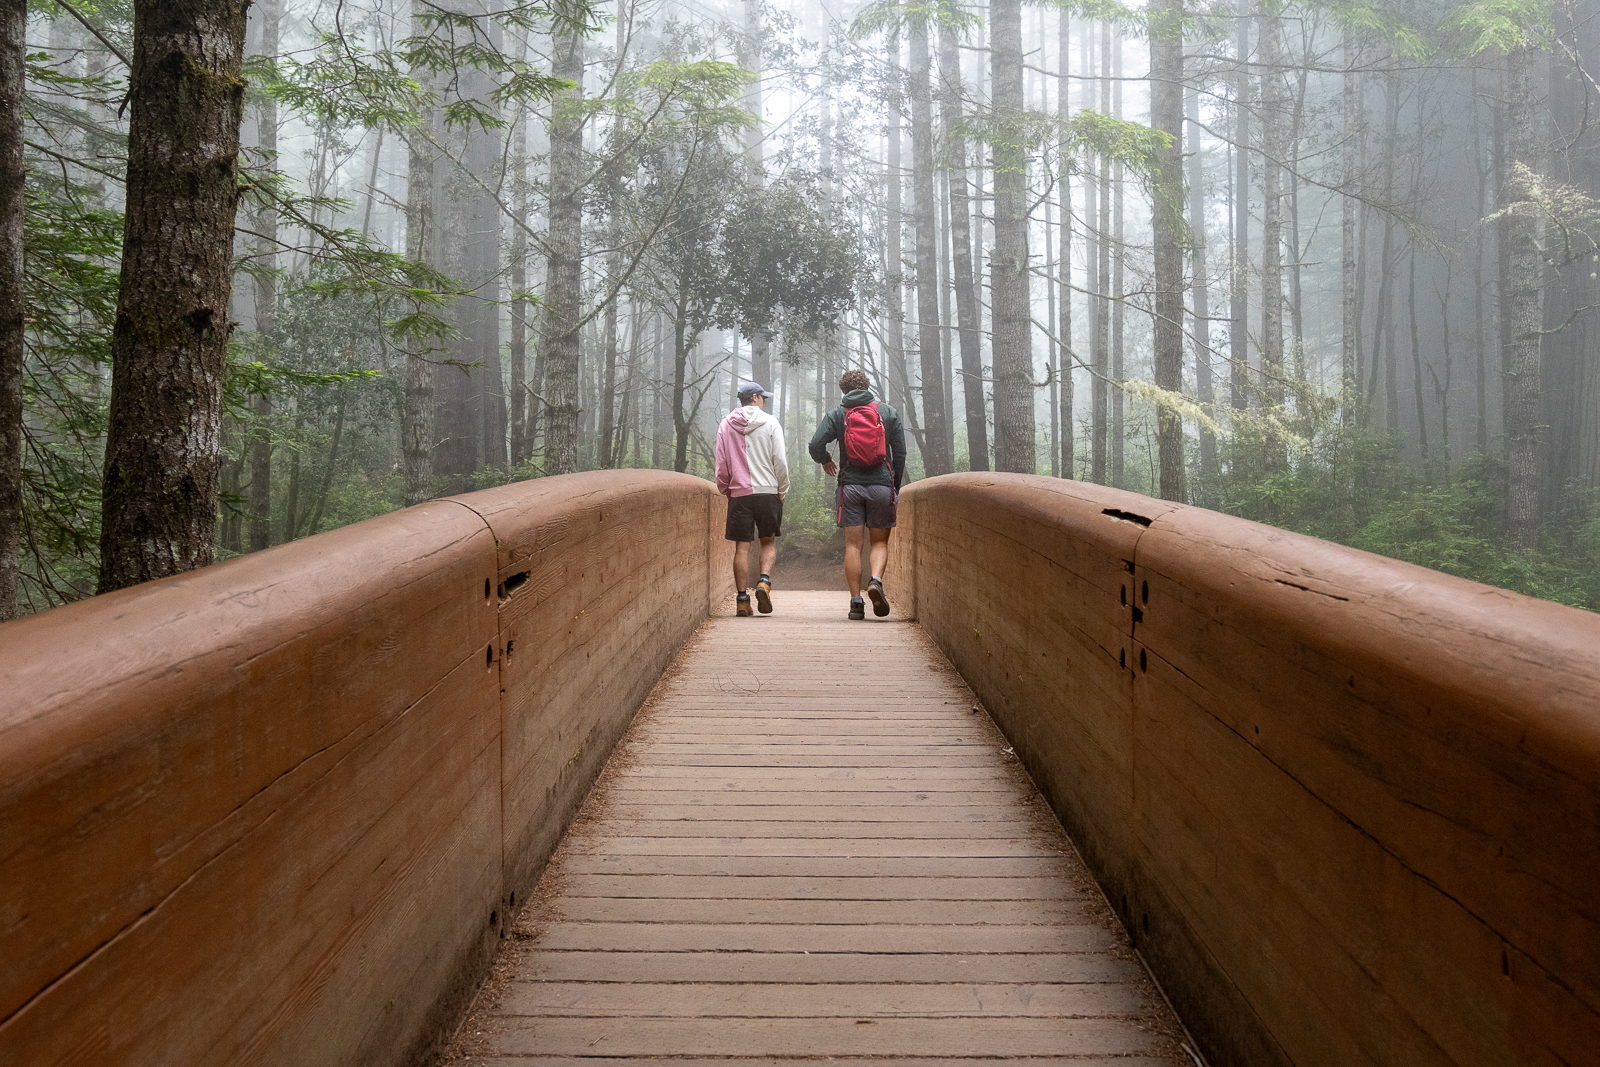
[(743, 609), (764, 595), (880, 603), (858, 608)]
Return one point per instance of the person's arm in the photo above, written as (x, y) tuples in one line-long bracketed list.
[(826, 433), (724, 468), (780, 461), (897, 449)]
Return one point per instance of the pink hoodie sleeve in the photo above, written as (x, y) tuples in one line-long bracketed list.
[(724, 471)]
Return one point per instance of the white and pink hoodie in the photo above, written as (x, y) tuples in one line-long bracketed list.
[(750, 454)]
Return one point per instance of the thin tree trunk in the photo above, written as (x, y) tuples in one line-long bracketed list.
[(519, 302), (608, 369), (169, 344), (1009, 268), (1272, 393), (1520, 289), (265, 223), (1166, 115), (13, 298), (331, 468), (1205, 390), (935, 455), (1239, 296), (1350, 326), (897, 384), (1119, 307), (1064, 323), (1101, 257), (560, 348), (1416, 366), (416, 423), (967, 313), (1479, 336)]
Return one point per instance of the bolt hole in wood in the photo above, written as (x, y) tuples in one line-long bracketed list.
[(488, 656), (1144, 592), (1142, 666), (494, 918), (1124, 596), (1122, 657), (512, 584), (487, 585)]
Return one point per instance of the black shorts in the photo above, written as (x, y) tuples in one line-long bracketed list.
[(758, 513)]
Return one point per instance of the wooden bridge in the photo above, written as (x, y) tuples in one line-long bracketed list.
[(332, 803)]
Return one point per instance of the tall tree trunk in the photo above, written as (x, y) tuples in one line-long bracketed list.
[(1380, 327), (1205, 390), (680, 365), (935, 456), (1099, 395), (1009, 267), (416, 422), (1350, 326), (1119, 266), (1239, 289), (967, 313), (897, 385), (13, 297), (1272, 145), (1571, 350), (560, 347), (265, 223), (519, 286), (608, 365), (1480, 339), (1166, 115), (1520, 289), (750, 59), (1064, 323), (169, 343), (1416, 366)]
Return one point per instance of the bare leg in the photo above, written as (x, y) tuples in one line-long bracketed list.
[(769, 554), (741, 566), (852, 559), (880, 550)]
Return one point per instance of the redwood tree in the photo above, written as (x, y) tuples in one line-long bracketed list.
[(169, 343), (13, 27), (1012, 314)]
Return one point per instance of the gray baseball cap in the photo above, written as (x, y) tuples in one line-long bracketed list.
[(750, 389)]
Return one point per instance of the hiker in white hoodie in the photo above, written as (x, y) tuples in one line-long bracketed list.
[(753, 473)]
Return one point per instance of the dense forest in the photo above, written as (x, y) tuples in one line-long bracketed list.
[(275, 267)]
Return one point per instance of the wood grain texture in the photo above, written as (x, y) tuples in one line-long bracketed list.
[(851, 905), (273, 811), (1349, 808)]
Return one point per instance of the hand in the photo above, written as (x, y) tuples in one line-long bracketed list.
[(830, 468)]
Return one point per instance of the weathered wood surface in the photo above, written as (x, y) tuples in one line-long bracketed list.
[(809, 846)]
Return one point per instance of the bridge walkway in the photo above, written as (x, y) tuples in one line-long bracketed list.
[(813, 845)]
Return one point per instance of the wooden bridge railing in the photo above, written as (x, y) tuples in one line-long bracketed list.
[(1348, 808), (275, 811)]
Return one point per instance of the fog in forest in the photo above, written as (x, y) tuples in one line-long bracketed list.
[(1330, 267)]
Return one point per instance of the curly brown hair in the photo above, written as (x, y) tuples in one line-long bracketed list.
[(851, 380)]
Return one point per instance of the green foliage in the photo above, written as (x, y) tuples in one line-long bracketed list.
[(790, 266), (1355, 489)]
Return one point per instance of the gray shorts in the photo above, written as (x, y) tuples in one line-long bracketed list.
[(872, 506)]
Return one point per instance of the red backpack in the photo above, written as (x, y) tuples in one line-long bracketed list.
[(864, 444)]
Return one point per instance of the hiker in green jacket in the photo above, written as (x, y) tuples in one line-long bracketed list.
[(872, 463)]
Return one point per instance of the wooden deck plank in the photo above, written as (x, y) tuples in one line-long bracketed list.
[(809, 846), (821, 912), (827, 1036), (799, 967), (824, 866), (693, 1000)]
